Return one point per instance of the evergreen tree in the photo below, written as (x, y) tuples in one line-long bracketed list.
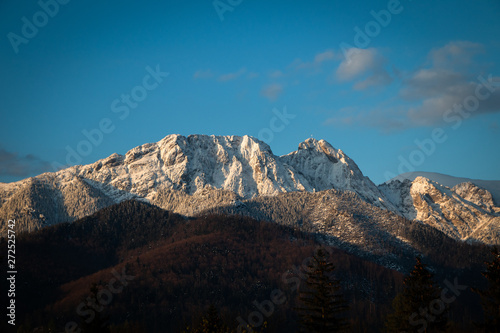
[(322, 304), (490, 298), (418, 308)]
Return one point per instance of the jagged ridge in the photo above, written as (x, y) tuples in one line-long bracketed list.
[(193, 174), (192, 165)]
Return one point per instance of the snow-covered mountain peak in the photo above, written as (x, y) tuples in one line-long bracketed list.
[(492, 186), (424, 185), (312, 143), (242, 165), (476, 195), (246, 146), (211, 171), (325, 167), (465, 212), (320, 162)]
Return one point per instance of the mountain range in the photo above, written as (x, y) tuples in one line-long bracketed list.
[(175, 267), (317, 188)]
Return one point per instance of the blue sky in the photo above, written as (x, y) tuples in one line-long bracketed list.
[(397, 85)]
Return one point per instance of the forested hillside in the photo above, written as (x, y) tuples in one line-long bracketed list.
[(179, 266)]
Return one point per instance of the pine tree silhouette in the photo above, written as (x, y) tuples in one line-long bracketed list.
[(412, 307), (321, 303)]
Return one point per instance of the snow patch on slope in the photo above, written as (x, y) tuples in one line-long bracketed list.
[(464, 212), (492, 186)]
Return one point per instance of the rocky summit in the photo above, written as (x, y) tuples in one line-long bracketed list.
[(192, 174)]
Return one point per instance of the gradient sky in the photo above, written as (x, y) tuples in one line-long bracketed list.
[(234, 65)]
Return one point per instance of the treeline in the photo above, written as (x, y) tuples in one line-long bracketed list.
[(421, 306), (382, 230), (178, 267)]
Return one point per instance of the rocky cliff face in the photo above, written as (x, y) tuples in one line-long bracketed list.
[(464, 212), (192, 174), (193, 165), (242, 165), (325, 167)]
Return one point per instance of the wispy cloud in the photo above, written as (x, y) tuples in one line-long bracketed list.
[(455, 54), (388, 120), (14, 164), (429, 95), (357, 63), (315, 64), (272, 92), (324, 56), (447, 84), (203, 74), (232, 76), (453, 100), (376, 79), (366, 65), (428, 82)]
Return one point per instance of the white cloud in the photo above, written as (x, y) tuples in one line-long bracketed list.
[(203, 74), (449, 89), (428, 82), (357, 63), (232, 76), (454, 54), (387, 119), (365, 64), (450, 82), (272, 92), (461, 98), (324, 56), (315, 64), (379, 78)]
